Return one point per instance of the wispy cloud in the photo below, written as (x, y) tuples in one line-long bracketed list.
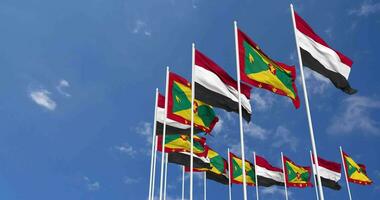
[(126, 149), (255, 131), (282, 137), (61, 86), (130, 180), (262, 101), (91, 185), (140, 27), (355, 114), (145, 129), (42, 98), (316, 83), (365, 9), (218, 127), (274, 190)]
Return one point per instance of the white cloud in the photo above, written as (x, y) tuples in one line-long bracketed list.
[(60, 87), (274, 190), (365, 9), (41, 97), (356, 115), (126, 149), (255, 131), (141, 27), (328, 32), (218, 127), (145, 129), (262, 101), (315, 82), (91, 185), (283, 136), (130, 180)]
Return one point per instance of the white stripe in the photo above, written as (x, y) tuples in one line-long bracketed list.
[(326, 56), (169, 122), (212, 82), (277, 176), (203, 159), (328, 174)]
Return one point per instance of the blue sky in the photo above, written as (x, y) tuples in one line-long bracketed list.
[(78, 79)]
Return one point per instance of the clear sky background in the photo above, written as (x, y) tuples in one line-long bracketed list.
[(77, 89)]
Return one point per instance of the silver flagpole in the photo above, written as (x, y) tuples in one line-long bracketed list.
[(314, 147), (166, 174), (283, 171), (164, 133), (257, 183), (240, 112), (154, 167), (315, 181), (345, 173), (204, 186), (153, 147), (183, 182), (192, 121), (229, 175)]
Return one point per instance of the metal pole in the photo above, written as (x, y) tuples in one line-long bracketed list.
[(256, 182), (166, 174), (240, 112), (283, 171), (192, 121), (345, 173), (314, 147), (315, 181), (229, 176), (204, 186), (154, 167), (183, 182), (153, 146)]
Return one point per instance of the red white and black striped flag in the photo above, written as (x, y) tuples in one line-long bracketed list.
[(267, 175), (330, 173), (320, 57)]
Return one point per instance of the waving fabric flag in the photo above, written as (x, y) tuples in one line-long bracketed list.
[(183, 158), (215, 87), (182, 143), (356, 173), (172, 127), (267, 175), (329, 172), (236, 172), (218, 168), (179, 105), (257, 69), (296, 176), (320, 57)]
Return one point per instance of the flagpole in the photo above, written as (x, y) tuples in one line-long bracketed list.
[(204, 186), (283, 171), (240, 112), (154, 167), (229, 175), (314, 147), (153, 146), (345, 173), (164, 132), (315, 181), (166, 174), (257, 183), (192, 120), (183, 182)]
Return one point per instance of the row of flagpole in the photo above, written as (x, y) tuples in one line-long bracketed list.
[(163, 174)]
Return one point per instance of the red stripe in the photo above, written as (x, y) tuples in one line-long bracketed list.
[(161, 101), (303, 27), (260, 161), (286, 159), (203, 61), (330, 165)]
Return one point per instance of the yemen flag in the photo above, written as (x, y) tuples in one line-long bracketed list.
[(218, 168), (172, 127), (329, 172), (267, 175), (356, 173), (183, 158), (236, 172), (320, 57), (296, 176), (215, 87), (257, 69), (182, 143), (179, 105)]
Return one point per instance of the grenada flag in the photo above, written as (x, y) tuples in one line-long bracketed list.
[(182, 143), (179, 105), (356, 173), (296, 176), (236, 172)]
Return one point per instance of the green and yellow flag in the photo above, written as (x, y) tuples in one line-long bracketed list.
[(236, 172), (182, 143), (179, 109), (257, 69), (296, 176), (356, 173)]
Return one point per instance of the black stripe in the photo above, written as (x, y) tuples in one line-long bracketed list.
[(267, 182), (329, 183), (337, 79), (184, 159), (170, 130), (220, 178), (220, 101)]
